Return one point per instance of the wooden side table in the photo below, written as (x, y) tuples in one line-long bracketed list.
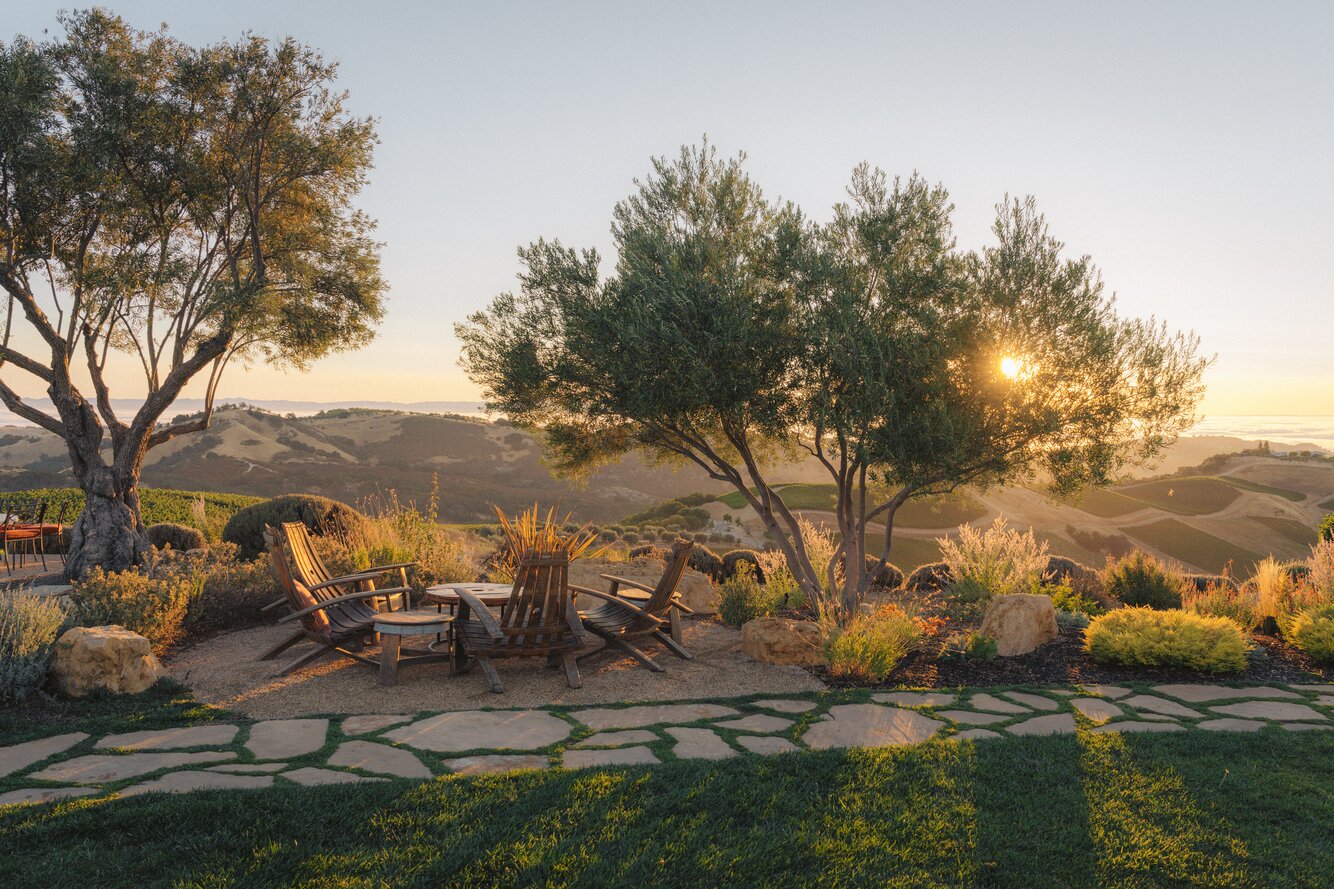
[(394, 625)]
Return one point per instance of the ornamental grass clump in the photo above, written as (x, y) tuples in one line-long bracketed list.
[(873, 643), (995, 562), (529, 531), (1313, 632), (1144, 637), (29, 627), (1140, 579)]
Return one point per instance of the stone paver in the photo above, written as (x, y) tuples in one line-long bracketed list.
[(1325, 700), (313, 777), (18, 757), (783, 706), (1326, 688), (650, 714), (622, 756), (968, 717), (757, 722), (916, 698), (212, 735), (491, 763), (1055, 724), (1131, 725), (1037, 702), (1160, 706), (699, 743), (249, 768), (1231, 724), (1196, 694), (371, 722), (285, 738), (372, 757), (618, 739), (184, 782), (43, 794), (870, 725), (1271, 710), (1096, 709), (1304, 726), (766, 745), (975, 734), (994, 704), (94, 768), (483, 729), (1108, 691)]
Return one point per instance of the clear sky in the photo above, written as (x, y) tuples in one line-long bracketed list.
[(1188, 147)]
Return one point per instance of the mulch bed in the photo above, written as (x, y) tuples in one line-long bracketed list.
[(1064, 662)]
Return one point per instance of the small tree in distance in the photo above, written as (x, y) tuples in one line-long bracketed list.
[(735, 334), (185, 207)]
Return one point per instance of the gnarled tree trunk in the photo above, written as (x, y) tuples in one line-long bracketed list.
[(109, 532)]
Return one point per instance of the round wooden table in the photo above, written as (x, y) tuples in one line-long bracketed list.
[(493, 595), (394, 625)]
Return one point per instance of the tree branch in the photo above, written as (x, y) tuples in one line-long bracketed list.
[(28, 412)]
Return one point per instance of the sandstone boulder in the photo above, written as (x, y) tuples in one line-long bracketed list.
[(1019, 623), (88, 659), (777, 640)]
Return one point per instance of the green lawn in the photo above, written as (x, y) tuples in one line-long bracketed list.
[(1088, 810)]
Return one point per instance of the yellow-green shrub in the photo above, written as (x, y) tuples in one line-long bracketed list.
[(742, 598), (1313, 632), (1140, 579), (153, 607), (1143, 637), (871, 645)]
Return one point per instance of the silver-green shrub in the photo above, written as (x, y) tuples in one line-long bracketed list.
[(29, 627)]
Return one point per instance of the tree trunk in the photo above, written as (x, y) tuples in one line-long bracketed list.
[(108, 533)]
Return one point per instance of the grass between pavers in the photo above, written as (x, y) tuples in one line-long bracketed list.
[(1082, 810)]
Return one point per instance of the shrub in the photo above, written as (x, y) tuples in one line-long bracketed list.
[(1140, 579), (230, 592), (320, 514), (742, 598), (29, 627), (1061, 571), (1224, 600), (888, 575), (872, 644), (733, 559), (1204, 582), (778, 579), (179, 537), (1071, 620), (1143, 637), (391, 532), (969, 647), (1326, 528), (705, 561), (1063, 598), (1313, 632), (153, 607), (999, 559), (647, 549), (1320, 565), (930, 578)]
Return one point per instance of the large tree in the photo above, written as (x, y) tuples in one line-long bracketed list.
[(734, 333), (183, 208)]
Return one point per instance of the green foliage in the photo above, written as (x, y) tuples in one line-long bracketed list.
[(156, 505), (320, 514), (733, 559), (742, 598), (1080, 578), (1313, 632), (999, 560), (1225, 600), (872, 644), (153, 607), (29, 627), (229, 592), (1326, 527), (1063, 598), (179, 537), (1140, 579), (1144, 637), (1071, 620), (968, 647)]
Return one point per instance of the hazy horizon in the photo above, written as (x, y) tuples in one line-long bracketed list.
[(1180, 146)]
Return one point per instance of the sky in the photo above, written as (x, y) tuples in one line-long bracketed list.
[(1186, 147)]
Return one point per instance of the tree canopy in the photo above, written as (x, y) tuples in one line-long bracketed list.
[(179, 207), (735, 333)]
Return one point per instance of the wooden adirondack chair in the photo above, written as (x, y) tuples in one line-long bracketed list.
[(539, 620), (623, 621), (307, 567), (339, 622)]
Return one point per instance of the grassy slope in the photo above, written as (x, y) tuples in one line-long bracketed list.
[(1292, 529), (1184, 496), (1195, 547), (1146, 810)]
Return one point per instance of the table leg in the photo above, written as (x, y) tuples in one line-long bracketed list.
[(389, 659)]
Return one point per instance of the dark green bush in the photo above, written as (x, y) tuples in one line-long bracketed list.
[(1087, 581), (705, 561), (732, 560), (889, 575), (181, 538), (646, 549), (930, 578), (320, 514), (1326, 527), (741, 597), (1140, 579)]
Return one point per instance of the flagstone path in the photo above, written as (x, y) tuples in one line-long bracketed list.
[(362, 748)]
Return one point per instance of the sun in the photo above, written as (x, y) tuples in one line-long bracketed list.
[(1010, 367)]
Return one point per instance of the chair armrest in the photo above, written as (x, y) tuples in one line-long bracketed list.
[(482, 613), (329, 603), (617, 600), (345, 579), (394, 567), (625, 581), (678, 604), (274, 604)]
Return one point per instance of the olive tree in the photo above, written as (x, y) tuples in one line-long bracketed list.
[(178, 209), (736, 334)]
